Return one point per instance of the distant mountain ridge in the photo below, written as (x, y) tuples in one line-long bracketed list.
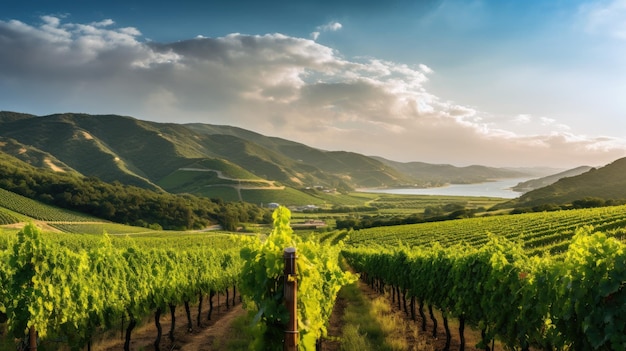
[(441, 174), (607, 183), (533, 184), (191, 157)]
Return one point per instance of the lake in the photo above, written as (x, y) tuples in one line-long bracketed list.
[(499, 188)]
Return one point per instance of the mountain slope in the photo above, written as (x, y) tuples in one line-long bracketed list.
[(33, 156), (551, 179), (608, 183), (207, 159), (77, 141), (311, 166)]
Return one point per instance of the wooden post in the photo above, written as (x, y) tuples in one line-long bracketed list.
[(32, 338), (291, 299)]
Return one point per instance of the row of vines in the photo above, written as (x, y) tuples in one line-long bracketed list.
[(50, 290), (38, 210), (71, 287), (576, 301), (539, 233), (319, 280)]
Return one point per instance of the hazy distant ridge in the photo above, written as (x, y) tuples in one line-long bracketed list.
[(441, 174), (551, 179)]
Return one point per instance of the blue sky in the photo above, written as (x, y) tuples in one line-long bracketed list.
[(500, 83)]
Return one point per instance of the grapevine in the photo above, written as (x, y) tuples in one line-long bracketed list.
[(319, 280)]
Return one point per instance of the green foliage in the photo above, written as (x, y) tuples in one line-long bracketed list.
[(115, 202), (38, 210), (577, 302), (545, 233), (7, 217), (590, 296), (319, 279), (73, 288)]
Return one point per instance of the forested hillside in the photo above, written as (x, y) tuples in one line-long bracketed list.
[(122, 203)]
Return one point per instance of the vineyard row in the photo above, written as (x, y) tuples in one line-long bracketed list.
[(577, 301)]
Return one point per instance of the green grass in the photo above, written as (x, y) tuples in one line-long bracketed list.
[(190, 181), (240, 339), (229, 169), (371, 324)]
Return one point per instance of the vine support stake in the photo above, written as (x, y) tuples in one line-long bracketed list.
[(291, 299), (32, 338)]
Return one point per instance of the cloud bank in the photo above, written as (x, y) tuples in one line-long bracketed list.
[(277, 85)]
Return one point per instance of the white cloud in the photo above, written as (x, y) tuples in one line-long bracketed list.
[(328, 27), (278, 85), (425, 68), (331, 27), (103, 23)]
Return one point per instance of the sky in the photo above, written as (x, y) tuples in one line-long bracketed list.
[(497, 83)]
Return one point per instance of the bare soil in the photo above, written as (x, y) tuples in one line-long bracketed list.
[(199, 338)]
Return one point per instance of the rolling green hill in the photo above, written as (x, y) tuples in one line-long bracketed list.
[(206, 159), (607, 183)]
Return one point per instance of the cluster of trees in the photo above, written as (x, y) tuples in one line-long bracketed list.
[(587, 202), (126, 204), (431, 214)]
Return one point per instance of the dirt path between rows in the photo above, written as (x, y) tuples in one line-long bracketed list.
[(212, 334), (209, 339), (199, 338), (418, 340)]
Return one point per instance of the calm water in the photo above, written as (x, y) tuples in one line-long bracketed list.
[(500, 188)]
